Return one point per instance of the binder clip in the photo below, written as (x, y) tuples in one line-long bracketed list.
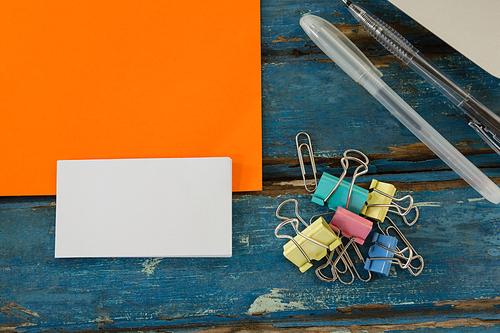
[(414, 270), (381, 254), (377, 203), (381, 198), (307, 145), (336, 192), (312, 243), (351, 225), (376, 251), (356, 229)]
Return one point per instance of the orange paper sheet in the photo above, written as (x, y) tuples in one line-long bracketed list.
[(93, 79)]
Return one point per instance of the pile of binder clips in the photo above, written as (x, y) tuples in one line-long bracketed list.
[(355, 211)]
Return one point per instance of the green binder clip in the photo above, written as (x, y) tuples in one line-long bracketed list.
[(336, 192)]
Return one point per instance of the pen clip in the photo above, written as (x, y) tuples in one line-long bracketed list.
[(490, 138)]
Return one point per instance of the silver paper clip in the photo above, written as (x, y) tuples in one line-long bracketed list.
[(349, 266), (308, 146)]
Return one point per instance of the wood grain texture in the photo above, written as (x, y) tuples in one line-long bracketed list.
[(256, 284), (258, 290)]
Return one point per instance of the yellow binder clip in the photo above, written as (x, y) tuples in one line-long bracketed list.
[(312, 243), (377, 204), (381, 198)]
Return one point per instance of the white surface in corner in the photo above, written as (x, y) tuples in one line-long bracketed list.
[(469, 26)]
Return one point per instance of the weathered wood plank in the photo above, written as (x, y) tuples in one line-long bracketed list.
[(322, 100), (257, 289), (458, 235), (416, 158)]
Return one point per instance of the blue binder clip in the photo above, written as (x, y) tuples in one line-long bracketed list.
[(336, 192), (383, 252), (413, 255), (382, 265)]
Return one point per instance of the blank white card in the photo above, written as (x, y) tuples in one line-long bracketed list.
[(172, 207)]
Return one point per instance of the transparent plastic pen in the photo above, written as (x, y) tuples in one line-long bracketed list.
[(348, 57), (484, 122)]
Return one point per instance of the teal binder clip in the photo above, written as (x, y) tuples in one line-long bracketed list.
[(336, 192), (336, 195)]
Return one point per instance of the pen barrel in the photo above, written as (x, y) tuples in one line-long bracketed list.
[(411, 56), (456, 94), (384, 34), (432, 138)]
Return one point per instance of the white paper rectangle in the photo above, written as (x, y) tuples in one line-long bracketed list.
[(469, 26), (172, 207)]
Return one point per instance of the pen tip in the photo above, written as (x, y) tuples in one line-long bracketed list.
[(347, 2)]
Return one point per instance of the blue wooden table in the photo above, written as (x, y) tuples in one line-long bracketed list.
[(458, 232)]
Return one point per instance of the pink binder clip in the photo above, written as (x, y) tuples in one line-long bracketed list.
[(351, 225), (354, 227)]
